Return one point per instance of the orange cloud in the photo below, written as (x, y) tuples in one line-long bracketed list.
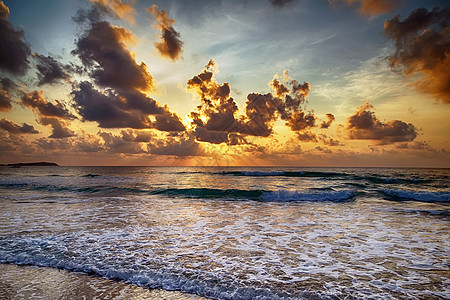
[(364, 125), (170, 44), (36, 101), (327, 123), (422, 54), (14, 128), (59, 128), (122, 10), (372, 7)]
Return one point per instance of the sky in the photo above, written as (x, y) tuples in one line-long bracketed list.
[(331, 83)]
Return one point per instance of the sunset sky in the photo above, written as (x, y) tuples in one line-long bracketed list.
[(239, 82)]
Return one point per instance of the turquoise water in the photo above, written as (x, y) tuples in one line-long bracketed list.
[(236, 233)]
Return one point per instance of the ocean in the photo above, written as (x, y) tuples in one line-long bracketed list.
[(235, 232)]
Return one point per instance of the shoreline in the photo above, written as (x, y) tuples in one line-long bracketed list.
[(32, 282)]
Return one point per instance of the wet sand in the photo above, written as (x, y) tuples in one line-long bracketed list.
[(28, 282)]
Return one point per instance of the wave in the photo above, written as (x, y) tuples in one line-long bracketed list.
[(327, 175), (282, 173), (90, 175), (211, 193), (285, 195), (261, 195), (206, 284), (326, 194), (422, 196), (103, 190)]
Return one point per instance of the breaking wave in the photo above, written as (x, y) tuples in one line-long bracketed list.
[(423, 196)]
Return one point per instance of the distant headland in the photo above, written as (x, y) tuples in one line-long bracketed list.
[(33, 164)]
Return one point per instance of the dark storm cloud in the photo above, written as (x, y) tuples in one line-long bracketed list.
[(5, 96), (102, 49), (49, 70), (364, 125), (170, 44), (14, 128), (14, 50), (327, 123), (129, 110), (280, 3), (422, 42), (36, 101), (59, 128)]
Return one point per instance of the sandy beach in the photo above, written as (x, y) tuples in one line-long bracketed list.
[(28, 282)]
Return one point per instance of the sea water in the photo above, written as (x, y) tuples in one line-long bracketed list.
[(236, 233)]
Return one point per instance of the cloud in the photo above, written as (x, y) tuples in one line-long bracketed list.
[(117, 144), (122, 104), (5, 96), (36, 101), (88, 143), (49, 70), (306, 136), (14, 128), (170, 44), (138, 136), (13, 143), (301, 121), (279, 89), (364, 125), (14, 50), (59, 128), (103, 52), (179, 145), (127, 110), (4, 11), (422, 43), (372, 7), (46, 145), (168, 121), (327, 123), (108, 109), (116, 7), (216, 118), (329, 141), (280, 3), (324, 150)]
